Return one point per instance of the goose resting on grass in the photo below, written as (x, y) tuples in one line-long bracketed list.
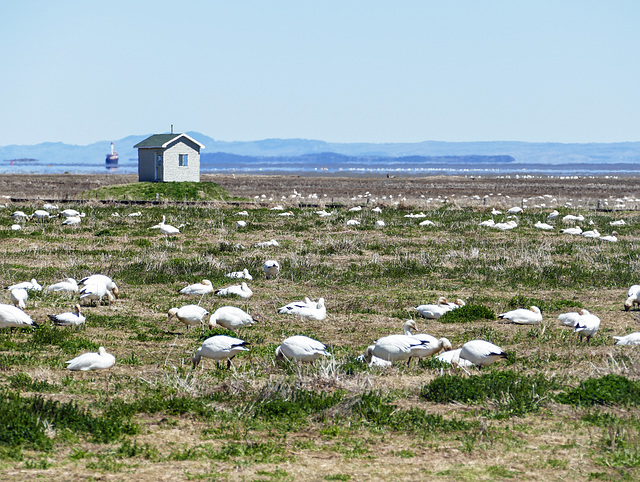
[(532, 316), (69, 319), (92, 361), (231, 318), (431, 345), (630, 339), (479, 352), (394, 348), (27, 285), (12, 317), (244, 274), (271, 268), (190, 315), (433, 311), (69, 285), (241, 290), (300, 348), (218, 348), (307, 309), (202, 288)]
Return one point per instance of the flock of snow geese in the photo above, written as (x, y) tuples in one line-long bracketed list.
[(385, 351)]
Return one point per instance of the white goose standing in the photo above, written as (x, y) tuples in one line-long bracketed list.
[(301, 348)]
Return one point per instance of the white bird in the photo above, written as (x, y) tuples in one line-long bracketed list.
[(570, 319), (72, 213), (480, 352), (377, 209), (311, 311), (16, 227), (433, 311), (241, 290), (19, 215), (166, 229), (241, 224), (134, 215), (72, 221), (218, 348), (231, 318), (380, 223), (515, 210), (633, 297), (70, 285), (553, 215), (95, 292), (426, 222), (101, 279), (301, 348), (489, 223), (570, 218), (92, 361), (242, 213), (612, 238), (271, 268), (431, 344), (591, 234), (619, 222), (393, 348), (449, 355), (630, 339), (286, 214), (27, 285), (202, 288), (19, 297), (577, 230), (69, 319), (50, 207), (244, 274), (587, 325), (506, 226), (353, 222), (12, 317), (522, 316), (456, 304), (41, 214), (294, 307), (190, 315), (541, 225), (355, 209), (267, 244)]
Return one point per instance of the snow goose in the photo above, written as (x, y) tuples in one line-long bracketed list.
[(294, 307), (619, 222), (72, 221), (570, 218), (380, 223), (190, 315), (489, 223), (218, 348), (433, 311), (41, 214), (92, 361), (633, 297), (393, 348), (242, 213), (202, 288), (515, 210), (495, 212), (570, 319), (587, 325), (16, 227), (26, 285), (241, 224), (553, 215), (355, 209), (612, 238), (541, 225), (101, 279), (353, 222), (71, 213), (271, 268), (426, 222), (20, 216), (69, 285), (431, 345), (242, 290), (12, 317), (96, 292), (377, 209), (301, 349), (19, 298), (591, 234), (449, 355), (311, 311), (630, 339), (166, 229), (479, 352), (244, 274), (69, 319), (456, 304), (231, 318), (576, 231), (521, 316), (506, 226)]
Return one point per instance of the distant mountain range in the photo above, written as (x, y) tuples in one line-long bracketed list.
[(321, 152)]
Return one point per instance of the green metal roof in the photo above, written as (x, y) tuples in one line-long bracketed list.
[(162, 140)]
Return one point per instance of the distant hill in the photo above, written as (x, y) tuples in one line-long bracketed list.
[(520, 152)]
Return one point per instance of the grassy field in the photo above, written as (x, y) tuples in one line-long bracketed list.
[(555, 408)]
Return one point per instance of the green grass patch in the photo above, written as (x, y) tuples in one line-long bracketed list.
[(607, 390), (163, 191), (468, 314)]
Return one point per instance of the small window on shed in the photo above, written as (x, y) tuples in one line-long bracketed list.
[(183, 160)]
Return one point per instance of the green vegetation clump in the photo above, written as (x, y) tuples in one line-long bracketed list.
[(520, 301), (162, 191), (607, 390), (514, 394), (468, 314)]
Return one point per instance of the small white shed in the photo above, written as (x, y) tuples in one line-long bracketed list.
[(169, 158)]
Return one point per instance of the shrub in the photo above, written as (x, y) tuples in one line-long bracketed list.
[(468, 314), (607, 390)]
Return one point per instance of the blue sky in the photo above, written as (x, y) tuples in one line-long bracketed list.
[(339, 71)]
